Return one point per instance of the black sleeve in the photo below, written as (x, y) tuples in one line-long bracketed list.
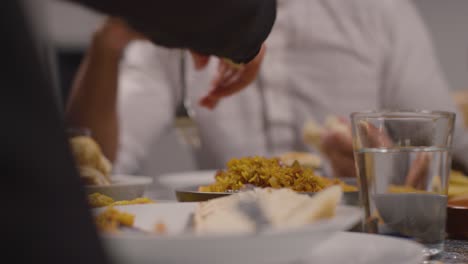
[(45, 217), (233, 29)]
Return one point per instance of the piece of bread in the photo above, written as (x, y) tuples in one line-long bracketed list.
[(254, 210), (222, 215), (286, 208)]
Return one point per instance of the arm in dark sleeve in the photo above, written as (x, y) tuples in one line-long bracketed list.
[(45, 217), (233, 29)]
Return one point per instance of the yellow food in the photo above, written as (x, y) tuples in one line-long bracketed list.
[(141, 200), (96, 200), (99, 200), (458, 184), (404, 189), (94, 167), (111, 219), (269, 172)]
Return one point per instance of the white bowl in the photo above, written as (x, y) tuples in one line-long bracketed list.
[(123, 187), (272, 246)]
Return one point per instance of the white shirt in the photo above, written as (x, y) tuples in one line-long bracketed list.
[(323, 57)]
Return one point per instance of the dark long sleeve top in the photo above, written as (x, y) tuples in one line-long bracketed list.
[(229, 29)]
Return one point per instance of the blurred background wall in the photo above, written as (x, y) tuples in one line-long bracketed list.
[(71, 28)]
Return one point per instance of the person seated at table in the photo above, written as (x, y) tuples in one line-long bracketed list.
[(328, 57)]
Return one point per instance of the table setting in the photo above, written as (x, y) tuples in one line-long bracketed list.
[(405, 206)]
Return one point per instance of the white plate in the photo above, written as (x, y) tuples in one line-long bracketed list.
[(123, 187), (360, 248), (186, 179), (177, 247)]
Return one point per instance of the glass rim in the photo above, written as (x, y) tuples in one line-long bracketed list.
[(402, 112)]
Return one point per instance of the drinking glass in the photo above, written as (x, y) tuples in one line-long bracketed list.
[(403, 161)]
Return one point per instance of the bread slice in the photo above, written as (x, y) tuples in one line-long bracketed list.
[(254, 210), (222, 215), (286, 208)]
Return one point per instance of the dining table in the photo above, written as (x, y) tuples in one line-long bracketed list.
[(455, 250)]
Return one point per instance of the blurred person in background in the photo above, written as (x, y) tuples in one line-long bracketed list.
[(47, 218), (325, 57)]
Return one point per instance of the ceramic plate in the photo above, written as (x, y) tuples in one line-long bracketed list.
[(123, 187), (185, 179), (191, 194), (360, 248), (271, 246)]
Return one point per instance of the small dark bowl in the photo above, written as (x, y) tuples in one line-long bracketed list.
[(191, 194), (457, 220)]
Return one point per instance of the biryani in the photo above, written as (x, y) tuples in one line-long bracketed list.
[(270, 173), (111, 219)]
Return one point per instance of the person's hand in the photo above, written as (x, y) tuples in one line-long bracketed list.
[(337, 146), (230, 78), (114, 36), (417, 174)]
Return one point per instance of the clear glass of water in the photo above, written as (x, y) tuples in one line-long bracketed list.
[(403, 161)]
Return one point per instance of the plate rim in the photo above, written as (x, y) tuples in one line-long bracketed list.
[(183, 190), (132, 180), (354, 216), (356, 236)]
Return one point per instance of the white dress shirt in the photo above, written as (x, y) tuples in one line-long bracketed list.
[(323, 57)]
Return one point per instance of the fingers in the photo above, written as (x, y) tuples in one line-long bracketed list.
[(232, 79), (338, 148), (417, 174), (199, 60), (337, 142), (374, 137)]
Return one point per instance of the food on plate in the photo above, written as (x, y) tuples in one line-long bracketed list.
[(269, 172), (111, 219), (261, 208), (460, 200), (160, 228), (312, 131), (458, 184), (252, 211), (93, 166), (404, 189), (96, 200), (306, 159)]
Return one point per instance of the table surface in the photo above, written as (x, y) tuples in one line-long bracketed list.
[(456, 251)]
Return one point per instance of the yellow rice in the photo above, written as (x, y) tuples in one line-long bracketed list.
[(269, 172)]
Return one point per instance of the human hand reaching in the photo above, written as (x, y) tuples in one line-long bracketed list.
[(230, 78)]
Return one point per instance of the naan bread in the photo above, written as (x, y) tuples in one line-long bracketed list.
[(262, 208)]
